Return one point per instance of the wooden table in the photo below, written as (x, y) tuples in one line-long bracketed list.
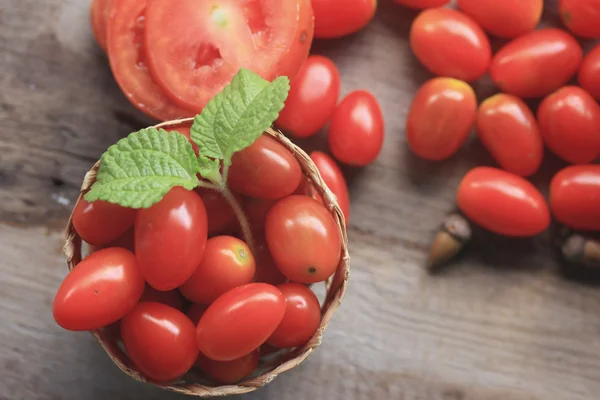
[(502, 324)]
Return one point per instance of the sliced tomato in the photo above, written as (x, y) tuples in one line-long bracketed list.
[(127, 58), (99, 14), (195, 47)]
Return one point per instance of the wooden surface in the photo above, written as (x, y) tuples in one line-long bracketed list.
[(502, 324)]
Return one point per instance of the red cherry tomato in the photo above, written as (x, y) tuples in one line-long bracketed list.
[(99, 291), (125, 241), (508, 130), (449, 43), (440, 118), (337, 18), (506, 18), (101, 222), (421, 4), (575, 197), (334, 178), (266, 270), (229, 372), (256, 211), (570, 124), (170, 237), (303, 238), (537, 63), (220, 214), (227, 263), (99, 13), (581, 17), (265, 170), (195, 312), (302, 317), (238, 322), (356, 129), (160, 341), (502, 202), (172, 298), (589, 74), (312, 98)]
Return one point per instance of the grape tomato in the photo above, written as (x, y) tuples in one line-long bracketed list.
[(575, 195), (337, 18), (334, 179), (589, 74), (581, 17), (505, 18), (101, 222), (229, 372)]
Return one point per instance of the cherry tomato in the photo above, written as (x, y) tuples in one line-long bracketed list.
[(160, 341), (356, 129), (303, 238), (421, 4), (440, 118), (589, 74), (238, 322), (101, 222), (170, 237), (337, 18), (172, 298), (449, 43), (302, 317), (570, 124), (195, 312), (537, 63), (99, 13), (502, 202), (185, 131), (227, 263), (575, 197), (229, 372), (312, 98), (506, 18), (195, 48), (266, 270), (581, 17), (256, 211), (334, 179), (508, 130), (220, 214), (101, 289), (265, 170)]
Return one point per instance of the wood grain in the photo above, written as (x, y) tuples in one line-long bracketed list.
[(505, 323)]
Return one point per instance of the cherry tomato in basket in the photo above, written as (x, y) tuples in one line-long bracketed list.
[(502, 202), (220, 214), (506, 18), (256, 211), (334, 179), (126, 241), (589, 74), (303, 239), (421, 4), (537, 63), (302, 316), (266, 270), (172, 298), (229, 372), (570, 124), (356, 129), (239, 321), (337, 18), (195, 48), (195, 312), (265, 170), (227, 263), (449, 43), (99, 14), (101, 222), (575, 197), (170, 238), (440, 118), (100, 290), (581, 17), (160, 340), (509, 131), (312, 98)]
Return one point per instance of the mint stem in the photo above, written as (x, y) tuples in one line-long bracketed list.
[(241, 216)]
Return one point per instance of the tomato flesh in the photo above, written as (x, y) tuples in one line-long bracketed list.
[(101, 222), (337, 18), (506, 18), (229, 372), (575, 195), (334, 179), (581, 17), (589, 74)]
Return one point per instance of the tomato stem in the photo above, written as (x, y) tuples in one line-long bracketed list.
[(241, 216)]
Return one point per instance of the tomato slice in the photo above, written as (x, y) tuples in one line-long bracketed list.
[(99, 15), (195, 47), (127, 58)]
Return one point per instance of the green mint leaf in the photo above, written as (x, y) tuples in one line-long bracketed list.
[(140, 169), (209, 169)]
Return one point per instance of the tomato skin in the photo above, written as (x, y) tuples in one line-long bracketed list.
[(265, 170), (589, 74), (99, 14), (100, 290), (502, 202), (240, 321), (570, 124), (581, 17), (221, 216), (338, 18), (422, 4), (256, 211), (334, 179), (227, 263), (266, 270), (312, 98), (505, 19), (100, 222), (356, 129), (575, 195), (170, 238), (509, 131), (440, 118), (303, 238), (449, 43), (302, 316), (229, 372), (195, 312), (536, 64), (172, 298), (160, 341)]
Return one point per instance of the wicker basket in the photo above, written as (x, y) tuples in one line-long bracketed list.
[(190, 385)]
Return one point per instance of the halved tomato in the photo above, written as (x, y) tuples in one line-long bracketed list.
[(99, 14), (196, 47)]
